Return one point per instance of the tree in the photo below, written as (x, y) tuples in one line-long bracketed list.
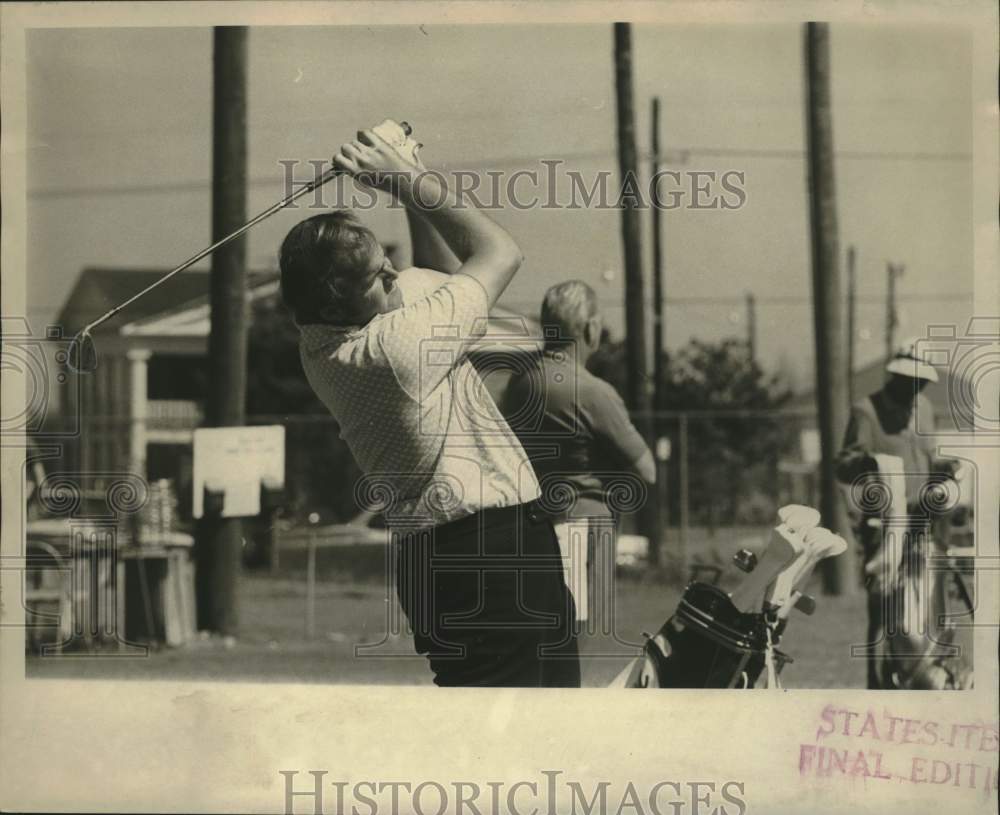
[(276, 384), (733, 456)]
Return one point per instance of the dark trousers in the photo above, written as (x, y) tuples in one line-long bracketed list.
[(487, 602)]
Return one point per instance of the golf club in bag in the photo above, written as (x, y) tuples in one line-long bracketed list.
[(82, 352)]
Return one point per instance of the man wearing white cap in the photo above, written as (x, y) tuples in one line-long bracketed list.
[(886, 423)]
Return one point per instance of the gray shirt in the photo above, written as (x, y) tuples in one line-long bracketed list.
[(575, 429)]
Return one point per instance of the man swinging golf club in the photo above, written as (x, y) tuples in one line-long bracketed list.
[(479, 574)]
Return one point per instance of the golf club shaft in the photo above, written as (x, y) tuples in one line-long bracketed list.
[(312, 185)]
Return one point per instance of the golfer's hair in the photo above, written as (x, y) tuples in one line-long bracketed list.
[(566, 309), (323, 261)]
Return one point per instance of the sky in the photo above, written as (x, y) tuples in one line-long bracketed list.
[(119, 155)]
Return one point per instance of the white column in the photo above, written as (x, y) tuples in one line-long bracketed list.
[(138, 409)]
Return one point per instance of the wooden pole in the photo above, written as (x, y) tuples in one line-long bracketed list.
[(638, 395), (311, 588), (684, 497), (659, 337), (220, 549), (852, 302), (751, 326), (893, 271), (659, 323), (828, 330)]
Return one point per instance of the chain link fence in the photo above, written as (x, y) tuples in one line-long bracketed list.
[(719, 470)]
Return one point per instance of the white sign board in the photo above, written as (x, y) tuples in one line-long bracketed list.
[(236, 460)]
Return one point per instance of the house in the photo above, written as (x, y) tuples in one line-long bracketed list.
[(136, 396)]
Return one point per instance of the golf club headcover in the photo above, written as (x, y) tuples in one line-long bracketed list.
[(800, 521), (785, 545), (820, 543), (799, 517)]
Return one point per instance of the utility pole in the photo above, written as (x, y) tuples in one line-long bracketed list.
[(638, 395), (830, 386), (659, 324), (852, 296), (635, 306), (220, 544), (893, 271), (685, 496), (751, 326), (661, 443)]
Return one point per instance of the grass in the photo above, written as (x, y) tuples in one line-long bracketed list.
[(273, 645)]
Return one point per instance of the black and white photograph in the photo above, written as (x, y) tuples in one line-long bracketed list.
[(391, 391)]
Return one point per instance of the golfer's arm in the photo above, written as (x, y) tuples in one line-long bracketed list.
[(429, 249), (611, 424), (484, 249)]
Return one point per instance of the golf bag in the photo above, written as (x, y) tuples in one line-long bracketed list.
[(707, 643), (719, 640), (919, 617)]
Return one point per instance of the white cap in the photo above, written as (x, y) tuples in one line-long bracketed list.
[(910, 361)]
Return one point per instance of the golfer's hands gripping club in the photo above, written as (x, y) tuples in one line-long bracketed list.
[(380, 155), (386, 158)]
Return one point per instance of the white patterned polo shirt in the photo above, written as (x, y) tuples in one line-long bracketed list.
[(412, 408)]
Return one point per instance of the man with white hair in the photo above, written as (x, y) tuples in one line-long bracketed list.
[(575, 429), (886, 422)]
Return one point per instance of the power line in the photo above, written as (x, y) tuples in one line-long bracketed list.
[(673, 155), (695, 300), (775, 300)]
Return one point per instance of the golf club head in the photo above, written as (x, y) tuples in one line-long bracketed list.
[(798, 517), (781, 589), (798, 520), (822, 544), (745, 560), (82, 358), (783, 547), (804, 603)]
